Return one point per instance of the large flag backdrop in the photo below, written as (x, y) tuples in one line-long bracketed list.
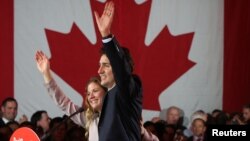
[(192, 54)]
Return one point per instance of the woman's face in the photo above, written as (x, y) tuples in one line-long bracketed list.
[(95, 95)]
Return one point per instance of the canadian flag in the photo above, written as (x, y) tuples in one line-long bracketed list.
[(192, 54)]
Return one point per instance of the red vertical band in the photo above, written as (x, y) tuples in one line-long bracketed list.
[(236, 55), (6, 49)]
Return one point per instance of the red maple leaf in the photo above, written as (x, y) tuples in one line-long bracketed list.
[(75, 59)]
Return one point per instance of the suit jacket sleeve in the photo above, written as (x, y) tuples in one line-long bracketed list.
[(120, 66)]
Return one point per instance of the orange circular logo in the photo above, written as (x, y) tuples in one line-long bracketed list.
[(24, 134)]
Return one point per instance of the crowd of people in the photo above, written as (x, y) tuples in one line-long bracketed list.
[(169, 129)]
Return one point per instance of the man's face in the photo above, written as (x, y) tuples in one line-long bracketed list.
[(198, 127), (246, 114), (173, 116), (9, 111), (105, 72)]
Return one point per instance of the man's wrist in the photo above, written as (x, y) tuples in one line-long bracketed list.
[(105, 33), (108, 36)]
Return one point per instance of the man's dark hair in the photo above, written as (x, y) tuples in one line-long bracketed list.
[(216, 111), (148, 123), (55, 121), (27, 124), (8, 99), (127, 56)]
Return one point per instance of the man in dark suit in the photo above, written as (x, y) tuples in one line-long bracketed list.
[(122, 107), (199, 130), (9, 110)]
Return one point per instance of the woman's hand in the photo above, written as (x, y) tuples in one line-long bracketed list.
[(43, 65)]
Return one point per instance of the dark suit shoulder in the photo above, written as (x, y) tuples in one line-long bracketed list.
[(1, 122), (190, 138)]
